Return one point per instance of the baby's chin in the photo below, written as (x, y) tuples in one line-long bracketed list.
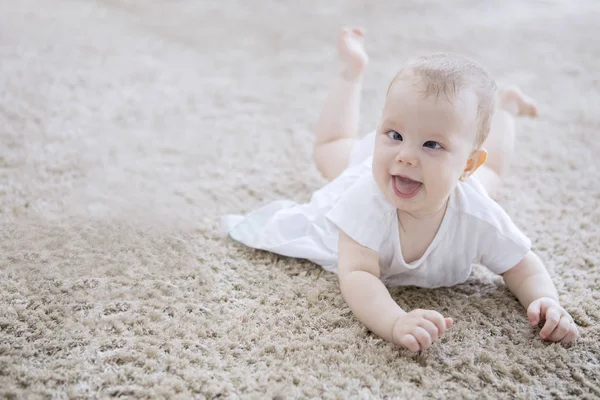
[(419, 206), (411, 205)]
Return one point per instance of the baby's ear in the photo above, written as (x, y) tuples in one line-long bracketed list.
[(475, 161)]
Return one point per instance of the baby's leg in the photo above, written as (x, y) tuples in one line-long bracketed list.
[(501, 140), (337, 128)]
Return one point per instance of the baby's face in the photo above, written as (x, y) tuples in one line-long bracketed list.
[(422, 147)]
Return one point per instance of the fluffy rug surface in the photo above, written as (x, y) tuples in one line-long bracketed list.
[(129, 127)]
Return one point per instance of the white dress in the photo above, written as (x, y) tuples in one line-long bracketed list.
[(475, 229)]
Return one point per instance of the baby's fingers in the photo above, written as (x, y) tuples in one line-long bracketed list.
[(552, 319), (561, 329), (571, 335), (439, 321), (410, 342), (423, 337), (449, 322), (431, 328)]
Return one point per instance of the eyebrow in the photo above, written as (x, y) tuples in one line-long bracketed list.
[(447, 139), (391, 124), (440, 136)]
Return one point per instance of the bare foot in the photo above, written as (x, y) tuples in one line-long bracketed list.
[(352, 53), (517, 103)]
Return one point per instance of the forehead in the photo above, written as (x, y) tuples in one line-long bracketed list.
[(408, 102)]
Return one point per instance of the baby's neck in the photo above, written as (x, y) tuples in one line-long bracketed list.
[(406, 219)]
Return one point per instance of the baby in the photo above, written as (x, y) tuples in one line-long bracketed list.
[(410, 203)]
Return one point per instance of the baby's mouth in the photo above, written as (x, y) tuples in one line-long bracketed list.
[(405, 187)]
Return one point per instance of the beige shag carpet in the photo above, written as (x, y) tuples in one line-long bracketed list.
[(129, 127)]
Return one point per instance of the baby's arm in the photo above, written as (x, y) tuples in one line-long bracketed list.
[(371, 303), (530, 282)]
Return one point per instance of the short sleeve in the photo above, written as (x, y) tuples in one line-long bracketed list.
[(502, 245), (363, 213)]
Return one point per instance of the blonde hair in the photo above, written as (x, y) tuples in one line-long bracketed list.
[(447, 74)]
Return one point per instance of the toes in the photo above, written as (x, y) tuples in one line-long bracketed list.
[(350, 31), (528, 108), (513, 98), (533, 110), (358, 31)]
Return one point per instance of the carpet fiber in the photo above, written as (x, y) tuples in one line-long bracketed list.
[(128, 127)]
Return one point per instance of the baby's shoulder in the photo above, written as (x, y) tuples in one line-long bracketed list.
[(477, 210), (487, 229)]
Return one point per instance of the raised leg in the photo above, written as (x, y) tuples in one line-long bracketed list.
[(501, 140), (337, 128)]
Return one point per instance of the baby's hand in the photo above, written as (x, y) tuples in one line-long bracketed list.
[(559, 325), (352, 53), (418, 329)]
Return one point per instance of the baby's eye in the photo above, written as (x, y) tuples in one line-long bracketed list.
[(432, 145), (395, 135)]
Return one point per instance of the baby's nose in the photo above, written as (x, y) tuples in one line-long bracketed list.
[(408, 158)]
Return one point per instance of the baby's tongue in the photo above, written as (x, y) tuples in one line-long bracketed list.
[(405, 185)]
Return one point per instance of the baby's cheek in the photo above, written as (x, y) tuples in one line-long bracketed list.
[(454, 169), (442, 183)]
